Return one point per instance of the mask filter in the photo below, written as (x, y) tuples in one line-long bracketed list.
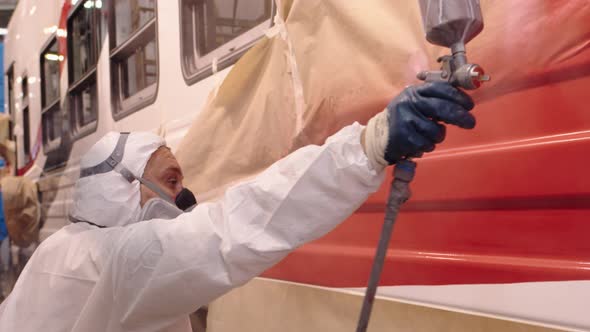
[(185, 200)]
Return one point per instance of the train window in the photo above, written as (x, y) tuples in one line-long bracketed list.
[(26, 119), (24, 89), (50, 105), (84, 102), (83, 49), (219, 29), (51, 121), (26, 134), (11, 107), (50, 59), (134, 55), (82, 43), (130, 16)]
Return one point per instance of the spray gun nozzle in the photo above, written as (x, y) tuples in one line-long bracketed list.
[(483, 78)]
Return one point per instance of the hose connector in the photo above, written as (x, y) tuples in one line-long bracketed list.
[(405, 170)]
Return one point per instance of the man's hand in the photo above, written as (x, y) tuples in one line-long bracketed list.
[(412, 122)]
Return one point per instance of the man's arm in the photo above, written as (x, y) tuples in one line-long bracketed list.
[(162, 269)]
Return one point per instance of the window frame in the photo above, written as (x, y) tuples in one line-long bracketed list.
[(123, 107), (76, 87), (226, 54), (51, 106)]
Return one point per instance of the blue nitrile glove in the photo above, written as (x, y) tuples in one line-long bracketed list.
[(410, 125)]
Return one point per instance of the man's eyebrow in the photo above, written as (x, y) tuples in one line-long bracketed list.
[(175, 169)]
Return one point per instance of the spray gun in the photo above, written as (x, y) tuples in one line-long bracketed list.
[(451, 24)]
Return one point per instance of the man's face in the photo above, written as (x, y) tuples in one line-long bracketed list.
[(164, 171)]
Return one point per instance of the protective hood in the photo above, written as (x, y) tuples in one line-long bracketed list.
[(106, 198)]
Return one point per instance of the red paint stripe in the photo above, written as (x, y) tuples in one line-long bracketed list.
[(506, 202), (62, 41)]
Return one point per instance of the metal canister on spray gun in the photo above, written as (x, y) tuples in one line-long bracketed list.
[(451, 24)]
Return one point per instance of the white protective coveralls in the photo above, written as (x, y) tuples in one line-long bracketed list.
[(150, 275)]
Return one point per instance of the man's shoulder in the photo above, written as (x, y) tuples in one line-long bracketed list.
[(81, 239)]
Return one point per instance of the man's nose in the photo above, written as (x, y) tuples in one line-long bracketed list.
[(178, 189)]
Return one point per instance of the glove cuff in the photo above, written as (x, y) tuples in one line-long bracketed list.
[(376, 138)]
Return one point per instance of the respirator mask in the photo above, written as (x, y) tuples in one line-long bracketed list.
[(162, 207)]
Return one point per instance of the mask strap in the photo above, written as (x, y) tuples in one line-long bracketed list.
[(153, 187), (111, 162), (130, 177)]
